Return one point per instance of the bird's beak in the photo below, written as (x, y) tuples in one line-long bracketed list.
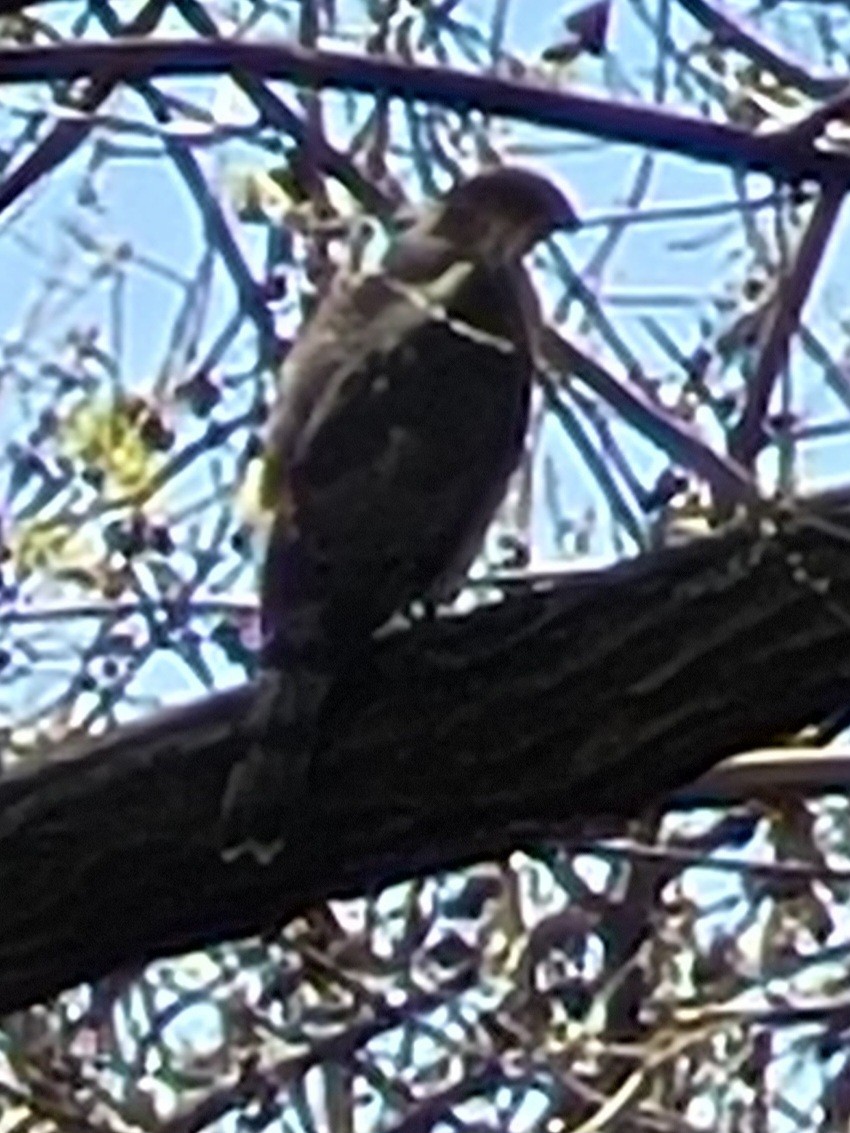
[(560, 216), (564, 217)]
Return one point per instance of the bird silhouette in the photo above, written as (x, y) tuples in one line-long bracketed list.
[(401, 415)]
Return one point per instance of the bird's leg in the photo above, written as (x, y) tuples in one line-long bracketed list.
[(268, 789)]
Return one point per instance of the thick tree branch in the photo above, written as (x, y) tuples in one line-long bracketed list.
[(567, 701), (780, 155)]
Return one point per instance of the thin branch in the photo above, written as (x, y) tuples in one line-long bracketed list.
[(790, 1014), (673, 211), (597, 466), (792, 293), (729, 30), (664, 855), (218, 229), (675, 437), (108, 610), (66, 135), (276, 113)]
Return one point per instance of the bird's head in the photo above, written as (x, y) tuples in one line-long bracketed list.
[(502, 213)]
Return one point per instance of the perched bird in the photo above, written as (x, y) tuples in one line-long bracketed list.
[(401, 416)]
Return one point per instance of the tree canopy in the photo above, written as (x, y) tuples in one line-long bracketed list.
[(511, 904)]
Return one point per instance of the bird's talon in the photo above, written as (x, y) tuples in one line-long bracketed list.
[(263, 852)]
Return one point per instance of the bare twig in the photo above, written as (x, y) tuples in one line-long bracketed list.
[(729, 30), (67, 135), (670, 434), (791, 294)]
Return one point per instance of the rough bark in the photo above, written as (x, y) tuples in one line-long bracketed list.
[(570, 700)]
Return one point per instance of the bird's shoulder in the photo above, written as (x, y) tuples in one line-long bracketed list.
[(361, 318)]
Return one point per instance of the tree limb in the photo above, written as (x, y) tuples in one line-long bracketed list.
[(780, 155), (570, 700)]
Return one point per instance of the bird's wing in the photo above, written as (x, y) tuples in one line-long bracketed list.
[(363, 317), (395, 437)]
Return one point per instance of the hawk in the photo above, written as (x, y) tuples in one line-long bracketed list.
[(401, 416)]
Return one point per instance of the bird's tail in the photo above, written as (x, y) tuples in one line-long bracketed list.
[(268, 791)]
